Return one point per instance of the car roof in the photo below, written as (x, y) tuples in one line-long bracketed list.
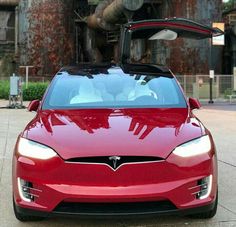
[(87, 69)]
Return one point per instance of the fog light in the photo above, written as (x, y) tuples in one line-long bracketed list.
[(205, 187), (24, 190)]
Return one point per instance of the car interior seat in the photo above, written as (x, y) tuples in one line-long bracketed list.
[(141, 89), (87, 93)]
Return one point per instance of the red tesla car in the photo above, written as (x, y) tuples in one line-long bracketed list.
[(117, 140)]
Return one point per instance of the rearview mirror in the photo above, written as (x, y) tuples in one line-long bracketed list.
[(194, 103), (34, 105)]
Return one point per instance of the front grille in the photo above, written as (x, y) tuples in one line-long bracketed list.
[(115, 208), (115, 161)]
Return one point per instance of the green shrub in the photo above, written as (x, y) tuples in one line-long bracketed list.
[(35, 90), (4, 89)]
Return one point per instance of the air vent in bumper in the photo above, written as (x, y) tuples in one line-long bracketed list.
[(27, 191), (115, 208), (203, 188)]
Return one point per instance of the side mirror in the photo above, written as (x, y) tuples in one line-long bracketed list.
[(34, 105), (194, 103)]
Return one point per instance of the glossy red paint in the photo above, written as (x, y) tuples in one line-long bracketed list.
[(194, 103), (153, 132), (34, 105), (150, 132), (77, 182)]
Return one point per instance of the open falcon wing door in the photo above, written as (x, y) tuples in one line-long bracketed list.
[(162, 29)]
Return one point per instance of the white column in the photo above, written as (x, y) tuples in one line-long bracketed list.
[(234, 73), (26, 73)]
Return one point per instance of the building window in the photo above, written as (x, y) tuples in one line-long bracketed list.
[(7, 26)]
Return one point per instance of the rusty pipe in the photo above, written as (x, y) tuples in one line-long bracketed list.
[(9, 2), (109, 12), (93, 21), (113, 12)]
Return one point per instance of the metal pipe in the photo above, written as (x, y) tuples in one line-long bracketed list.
[(9, 2), (92, 52), (110, 12), (76, 45), (93, 21), (16, 29), (113, 12)]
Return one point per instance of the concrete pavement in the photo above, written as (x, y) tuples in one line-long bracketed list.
[(220, 119)]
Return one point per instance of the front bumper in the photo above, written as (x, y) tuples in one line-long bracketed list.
[(172, 181), (144, 211)]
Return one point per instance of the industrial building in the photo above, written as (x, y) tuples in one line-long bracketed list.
[(52, 33)]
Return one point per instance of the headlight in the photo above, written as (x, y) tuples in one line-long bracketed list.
[(32, 149), (195, 147)]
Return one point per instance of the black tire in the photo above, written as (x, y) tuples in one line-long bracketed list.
[(209, 214), (25, 218)]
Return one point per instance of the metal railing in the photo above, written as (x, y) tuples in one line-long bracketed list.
[(198, 86), (32, 78)]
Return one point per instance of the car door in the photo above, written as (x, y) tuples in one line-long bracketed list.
[(163, 29)]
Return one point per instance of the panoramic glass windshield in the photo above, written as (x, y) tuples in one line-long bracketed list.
[(113, 90)]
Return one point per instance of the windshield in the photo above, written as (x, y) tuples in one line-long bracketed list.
[(113, 90)]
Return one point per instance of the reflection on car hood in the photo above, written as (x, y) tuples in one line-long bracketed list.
[(107, 132)]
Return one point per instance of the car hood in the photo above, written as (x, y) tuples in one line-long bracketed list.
[(107, 132)]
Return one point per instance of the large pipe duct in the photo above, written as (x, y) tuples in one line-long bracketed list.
[(9, 2), (113, 12), (110, 12)]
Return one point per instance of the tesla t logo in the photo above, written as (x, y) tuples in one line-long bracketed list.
[(114, 160)]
